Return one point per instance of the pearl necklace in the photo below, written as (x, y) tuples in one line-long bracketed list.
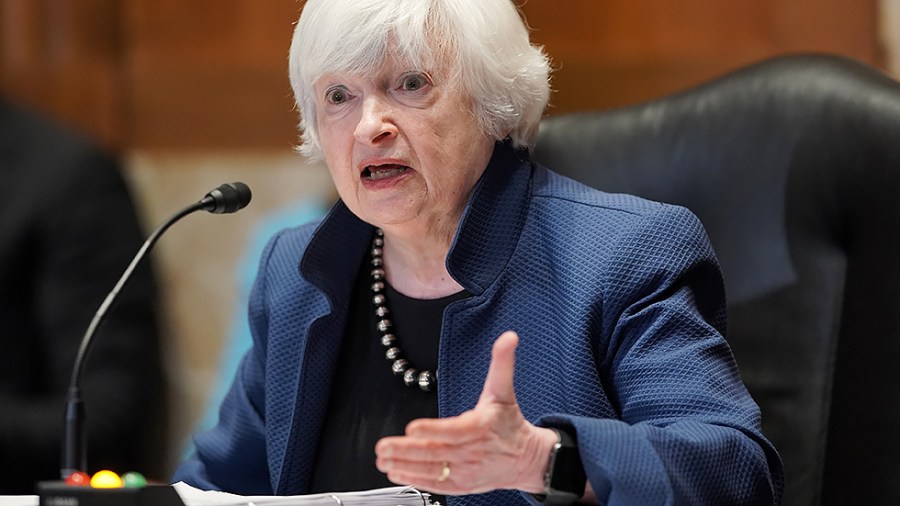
[(426, 380)]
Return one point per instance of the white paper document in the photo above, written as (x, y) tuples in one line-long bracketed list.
[(19, 500), (391, 496)]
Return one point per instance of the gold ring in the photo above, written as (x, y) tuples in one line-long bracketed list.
[(445, 471)]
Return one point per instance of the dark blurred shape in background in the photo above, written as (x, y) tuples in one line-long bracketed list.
[(68, 229)]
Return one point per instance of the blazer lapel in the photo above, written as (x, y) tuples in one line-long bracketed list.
[(330, 264)]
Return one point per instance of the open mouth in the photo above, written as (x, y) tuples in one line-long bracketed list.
[(376, 172)]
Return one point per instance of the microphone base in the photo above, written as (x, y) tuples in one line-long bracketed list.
[(57, 493)]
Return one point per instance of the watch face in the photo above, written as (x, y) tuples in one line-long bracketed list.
[(566, 475)]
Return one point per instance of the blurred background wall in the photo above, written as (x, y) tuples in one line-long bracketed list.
[(194, 93)]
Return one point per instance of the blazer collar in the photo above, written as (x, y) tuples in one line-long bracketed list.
[(492, 221)]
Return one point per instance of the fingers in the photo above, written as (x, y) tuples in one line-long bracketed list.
[(426, 450), (483, 446), (466, 428), (433, 477), (442, 477), (498, 386)]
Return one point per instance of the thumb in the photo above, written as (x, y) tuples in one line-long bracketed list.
[(498, 386)]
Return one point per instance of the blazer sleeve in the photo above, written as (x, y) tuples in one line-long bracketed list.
[(232, 455), (688, 432)]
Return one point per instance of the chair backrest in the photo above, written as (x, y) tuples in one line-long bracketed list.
[(793, 165)]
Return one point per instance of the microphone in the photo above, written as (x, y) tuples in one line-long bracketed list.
[(227, 198)]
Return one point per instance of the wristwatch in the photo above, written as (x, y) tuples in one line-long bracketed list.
[(565, 478)]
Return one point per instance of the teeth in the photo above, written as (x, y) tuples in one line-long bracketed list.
[(375, 174)]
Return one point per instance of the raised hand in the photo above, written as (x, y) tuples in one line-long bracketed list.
[(489, 447)]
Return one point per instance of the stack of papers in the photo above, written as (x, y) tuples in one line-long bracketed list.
[(391, 496)]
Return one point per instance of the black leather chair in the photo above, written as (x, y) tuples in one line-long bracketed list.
[(793, 165)]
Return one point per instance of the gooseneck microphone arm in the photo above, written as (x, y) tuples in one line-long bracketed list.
[(227, 198)]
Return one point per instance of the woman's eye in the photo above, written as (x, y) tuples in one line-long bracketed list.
[(336, 96), (414, 82)]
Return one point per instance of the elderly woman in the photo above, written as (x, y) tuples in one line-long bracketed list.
[(465, 264)]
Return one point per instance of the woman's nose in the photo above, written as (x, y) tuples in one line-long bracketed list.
[(376, 123)]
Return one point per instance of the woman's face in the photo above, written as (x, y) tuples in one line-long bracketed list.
[(402, 147)]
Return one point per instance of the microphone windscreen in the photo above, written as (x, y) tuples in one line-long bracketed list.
[(227, 198)]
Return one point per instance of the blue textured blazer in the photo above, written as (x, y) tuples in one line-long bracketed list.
[(620, 309)]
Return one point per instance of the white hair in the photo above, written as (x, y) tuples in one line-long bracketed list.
[(483, 45)]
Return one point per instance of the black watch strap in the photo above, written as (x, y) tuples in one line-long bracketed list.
[(565, 479)]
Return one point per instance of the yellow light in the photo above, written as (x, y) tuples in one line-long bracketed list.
[(106, 479)]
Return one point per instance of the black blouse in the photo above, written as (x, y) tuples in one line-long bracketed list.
[(368, 401)]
